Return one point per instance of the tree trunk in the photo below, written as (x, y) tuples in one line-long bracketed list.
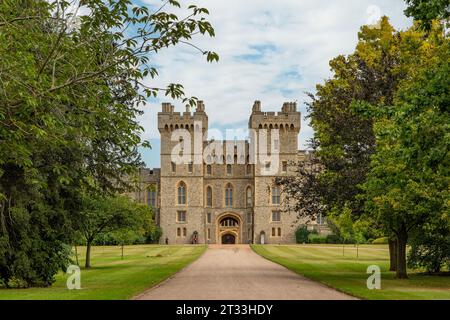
[(122, 250), (88, 255), (392, 254), (402, 237), (76, 255)]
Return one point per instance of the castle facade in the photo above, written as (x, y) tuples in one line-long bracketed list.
[(223, 191)]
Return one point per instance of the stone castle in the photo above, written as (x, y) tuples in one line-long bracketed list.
[(225, 197)]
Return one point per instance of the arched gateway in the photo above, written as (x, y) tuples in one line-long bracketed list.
[(229, 229)]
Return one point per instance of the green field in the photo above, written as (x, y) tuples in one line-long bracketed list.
[(111, 277), (347, 273)]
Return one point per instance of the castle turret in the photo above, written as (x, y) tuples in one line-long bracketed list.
[(287, 122)]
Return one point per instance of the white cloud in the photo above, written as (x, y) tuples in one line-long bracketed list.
[(272, 51)]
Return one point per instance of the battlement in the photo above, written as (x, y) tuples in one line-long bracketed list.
[(289, 107), (169, 120), (288, 119)]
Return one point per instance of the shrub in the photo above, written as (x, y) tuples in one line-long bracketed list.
[(153, 235), (430, 250), (317, 239), (382, 240), (332, 238), (301, 235)]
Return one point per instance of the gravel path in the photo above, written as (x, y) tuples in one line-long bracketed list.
[(235, 272)]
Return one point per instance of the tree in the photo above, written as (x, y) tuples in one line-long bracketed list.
[(408, 184), (344, 141), (428, 10), (303, 192), (430, 246), (100, 215), (72, 76)]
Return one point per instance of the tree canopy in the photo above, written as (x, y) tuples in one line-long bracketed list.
[(73, 76)]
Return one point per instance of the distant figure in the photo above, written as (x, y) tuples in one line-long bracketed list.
[(195, 237), (167, 240)]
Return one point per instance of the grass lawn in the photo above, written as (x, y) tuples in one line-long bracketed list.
[(110, 277), (347, 273)]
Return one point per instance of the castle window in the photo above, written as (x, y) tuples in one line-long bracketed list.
[(229, 195), (209, 234), (228, 168), (184, 232), (208, 169), (249, 217), (178, 232), (208, 196), (249, 197), (174, 167), (273, 232), (181, 216), (276, 216), (275, 195), (208, 217), (182, 193), (284, 166), (190, 167), (267, 166), (279, 232), (319, 218), (248, 169), (151, 198), (229, 222)]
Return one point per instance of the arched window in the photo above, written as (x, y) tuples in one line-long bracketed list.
[(279, 232), (248, 169), (178, 232), (228, 168), (273, 232), (229, 195), (181, 193), (249, 197), (184, 232), (208, 169), (208, 196), (275, 195), (229, 222)]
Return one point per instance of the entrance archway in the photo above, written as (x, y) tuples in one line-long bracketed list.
[(228, 228), (228, 238)]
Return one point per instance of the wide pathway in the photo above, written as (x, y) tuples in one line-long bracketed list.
[(235, 272)]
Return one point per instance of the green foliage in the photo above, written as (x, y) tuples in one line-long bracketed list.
[(153, 234), (408, 184), (314, 238), (333, 238), (70, 90), (382, 240), (428, 10), (430, 247), (301, 234)]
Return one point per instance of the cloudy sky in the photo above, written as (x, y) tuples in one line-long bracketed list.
[(273, 51)]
